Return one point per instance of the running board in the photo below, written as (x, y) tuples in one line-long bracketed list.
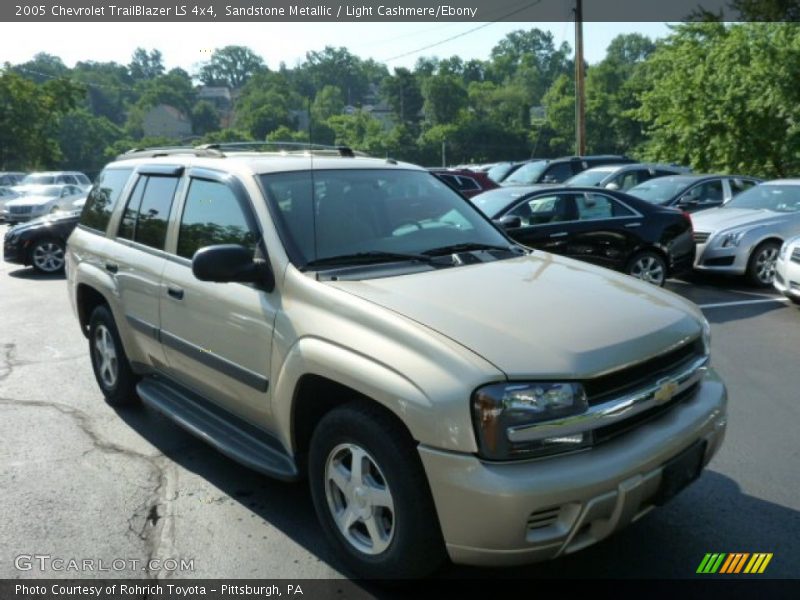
[(227, 433)]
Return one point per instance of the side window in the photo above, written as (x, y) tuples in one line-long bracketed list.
[(103, 197), (466, 184), (632, 178), (740, 185), (69, 179), (708, 193), (145, 218), (543, 210), (558, 172), (212, 215)]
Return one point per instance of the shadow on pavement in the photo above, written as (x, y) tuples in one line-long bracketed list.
[(712, 515), (34, 275)]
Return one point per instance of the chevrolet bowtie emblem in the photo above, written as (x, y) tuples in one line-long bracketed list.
[(665, 392)]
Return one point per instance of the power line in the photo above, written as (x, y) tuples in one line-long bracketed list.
[(464, 33)]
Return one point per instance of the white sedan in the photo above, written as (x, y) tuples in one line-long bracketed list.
[(787, 270), (42, 200)]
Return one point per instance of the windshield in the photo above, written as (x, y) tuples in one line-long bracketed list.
[(327, 214), (527, 173), (38, 180), (779, 198), (589, 178), (660, 190), (497, 172)]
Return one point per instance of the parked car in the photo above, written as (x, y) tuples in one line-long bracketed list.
[(42, 200), (604, 227), (501, 170), (693, 192), (623, 177), (559, 170), (40, 243), (787, 270), (744, 236), (9, 178), (468, 183), (6, 195), (356, 322), (36, 180)]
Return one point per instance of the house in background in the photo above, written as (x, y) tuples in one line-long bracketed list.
[(222, 100), (166, 121)]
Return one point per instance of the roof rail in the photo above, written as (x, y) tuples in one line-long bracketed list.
[(294, 147), (169, 151)]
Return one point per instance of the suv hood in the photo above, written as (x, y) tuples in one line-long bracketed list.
[(717, 219), (540, 315)]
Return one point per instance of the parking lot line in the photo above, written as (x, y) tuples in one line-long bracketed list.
[(743, 302)]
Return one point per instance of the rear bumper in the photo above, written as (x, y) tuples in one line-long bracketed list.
[(514, 513)]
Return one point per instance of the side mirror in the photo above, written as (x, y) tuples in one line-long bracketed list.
[(613, 185), (231, 262), (509, 222)]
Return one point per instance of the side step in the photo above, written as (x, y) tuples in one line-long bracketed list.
[(227, 433)]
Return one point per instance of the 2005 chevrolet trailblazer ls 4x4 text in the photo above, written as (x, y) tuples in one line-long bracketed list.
[(355, 321)]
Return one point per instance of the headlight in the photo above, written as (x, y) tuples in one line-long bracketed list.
[(732, 239), (706, 336), (499, 409)]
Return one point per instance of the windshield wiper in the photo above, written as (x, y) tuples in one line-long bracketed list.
[(372, 256), (467, 247)]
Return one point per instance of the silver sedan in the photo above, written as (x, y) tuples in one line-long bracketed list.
[(745, 236)]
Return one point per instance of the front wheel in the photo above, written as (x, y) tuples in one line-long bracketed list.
[(47, 256), (371, 494), (761, 266), (648, 266)]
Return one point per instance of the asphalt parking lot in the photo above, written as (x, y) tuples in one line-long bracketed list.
[(79, 479)]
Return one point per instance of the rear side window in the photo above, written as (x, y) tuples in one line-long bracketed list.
[(103, 197), (558, 172), (740, 185), (213, 215), (147, 213)]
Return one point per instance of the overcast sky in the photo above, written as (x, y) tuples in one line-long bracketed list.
[(188, 45)]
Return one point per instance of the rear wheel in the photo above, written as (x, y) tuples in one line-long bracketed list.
[(110, 364), (371, 494), (761, 266), (47, 255), (648, 266)]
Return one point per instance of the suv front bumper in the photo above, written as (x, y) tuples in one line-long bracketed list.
[(514, 513)]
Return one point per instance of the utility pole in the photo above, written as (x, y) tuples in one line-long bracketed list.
[(580, 93)]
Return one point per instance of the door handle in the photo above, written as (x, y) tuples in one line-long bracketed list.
[(175, 292), (559, 234), (633, 225), (112, 267)]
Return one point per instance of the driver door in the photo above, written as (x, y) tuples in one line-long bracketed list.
[(544, 221)]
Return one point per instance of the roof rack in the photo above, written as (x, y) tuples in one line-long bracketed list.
[(283, 147), (157, 151)]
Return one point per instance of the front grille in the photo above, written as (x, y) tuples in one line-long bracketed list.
[(701, 237), (722, 261), (796, 255), (20, 210), (603, 388)]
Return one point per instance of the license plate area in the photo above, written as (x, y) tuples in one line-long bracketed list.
[(680, 471)]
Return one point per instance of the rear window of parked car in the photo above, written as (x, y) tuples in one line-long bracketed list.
[(103, 197)]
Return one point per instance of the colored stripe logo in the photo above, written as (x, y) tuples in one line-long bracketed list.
[(734, 563)]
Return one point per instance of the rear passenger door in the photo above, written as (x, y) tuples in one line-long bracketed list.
[(217, 337), (138, 256), (606, 231)]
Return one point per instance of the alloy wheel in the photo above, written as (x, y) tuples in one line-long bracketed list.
[(106, 356), (648, 268), (765, 264), (48, 257)]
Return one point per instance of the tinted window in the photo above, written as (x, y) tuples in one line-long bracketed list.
[(103, 197), (212, 215), (558, 172), (599, 206), (145, 218), (707, 193), (544, 209)]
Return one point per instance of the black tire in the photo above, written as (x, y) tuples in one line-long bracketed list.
[(648, 266), (48, 255), (415, 547), (761, 264), (121, 390)]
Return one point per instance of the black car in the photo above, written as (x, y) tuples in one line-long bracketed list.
[(604, 227), (693, 192), (40, 243), (558, 170)]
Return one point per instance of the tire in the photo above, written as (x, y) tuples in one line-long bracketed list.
[(404, 539), (648, 266), (761, 265), (47, 256), (114, 375)]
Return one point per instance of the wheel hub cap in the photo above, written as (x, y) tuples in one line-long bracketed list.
[(48, 257), (105, 356)]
